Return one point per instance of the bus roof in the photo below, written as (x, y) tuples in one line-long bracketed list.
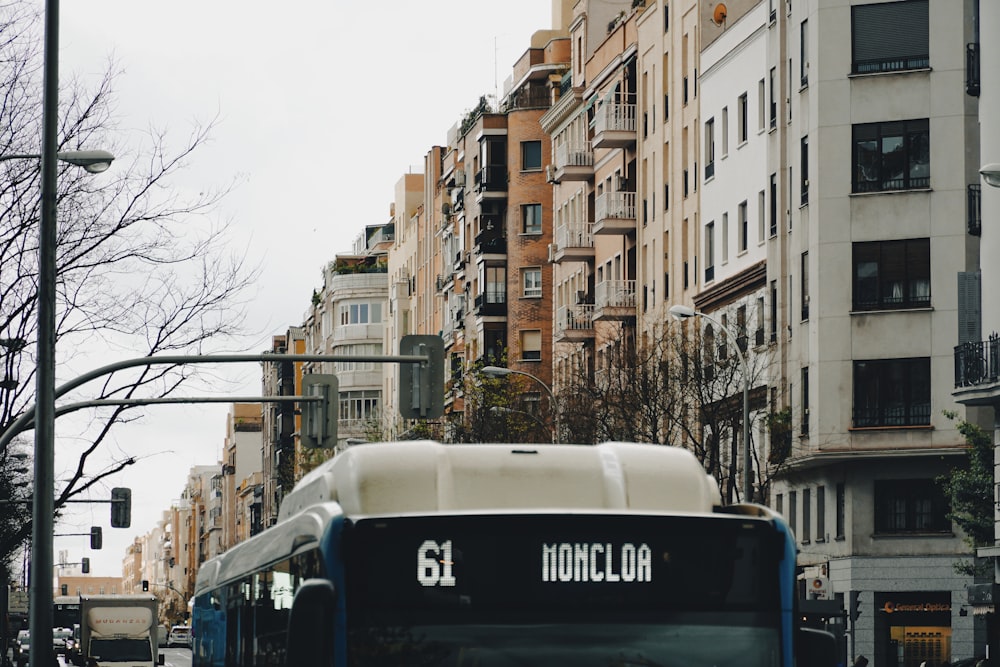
[(424, 476)]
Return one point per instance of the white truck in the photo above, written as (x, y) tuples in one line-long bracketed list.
[(119, 629)]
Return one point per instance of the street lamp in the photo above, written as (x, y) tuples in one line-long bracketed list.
[(93, 161), (40, 606), (683, 312), (500, 371), (991, 174)]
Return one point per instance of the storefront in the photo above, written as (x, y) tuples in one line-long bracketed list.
[(912, 628)]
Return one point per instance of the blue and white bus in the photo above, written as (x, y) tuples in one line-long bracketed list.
[(424, 554)]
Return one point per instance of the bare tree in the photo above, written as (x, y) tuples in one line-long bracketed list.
[(673, 384), (141, 268)]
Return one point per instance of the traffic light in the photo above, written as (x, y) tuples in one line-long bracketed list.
[(421, 385), (145, 585), (121, 507), (96, 537), (855, 608), (319, 418), (85, 565)]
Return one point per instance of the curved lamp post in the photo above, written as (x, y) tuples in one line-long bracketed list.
[(93, 161), (683, 312), (500, 371), (42, 561), (500, 410)]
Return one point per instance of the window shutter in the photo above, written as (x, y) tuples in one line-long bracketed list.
[(970, 307), (891, 30)]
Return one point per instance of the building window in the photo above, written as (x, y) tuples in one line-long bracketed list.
[(804, 170), (892, 274), (360, 313), (773, 99), (821, 514), (889, 37), (710, 252), (531, 216), (741, 120), (892, 156), (804, 53), (892, 392), (774, 206), (806, 515), (531, 155), (792, 511), (744, 230), (841, 510), (531, 345), (359, 405), (804, 286), (709, 148), (531, 279), (910, 506), (805, 401)]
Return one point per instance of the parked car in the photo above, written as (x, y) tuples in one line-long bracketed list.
[(180, 635)]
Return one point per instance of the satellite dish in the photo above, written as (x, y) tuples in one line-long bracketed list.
[(719, 14)]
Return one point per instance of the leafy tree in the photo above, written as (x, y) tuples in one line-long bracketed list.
[(142, 267), (969, 490), (493, 409)]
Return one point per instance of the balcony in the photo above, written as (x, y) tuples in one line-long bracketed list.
[(490, 243), (491, 182), (574, 161), (574, 242), (492, 303), (614, 125), (615, 300), (615, 213), (977, 371), (574, 324)]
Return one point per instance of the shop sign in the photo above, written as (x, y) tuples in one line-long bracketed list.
[(891, 607)]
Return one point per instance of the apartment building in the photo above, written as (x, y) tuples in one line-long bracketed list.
[(593, 177), (485, 225), (872, 146), (977, 353), (241, 456), (280, 423), (411, 276), (346, 319)]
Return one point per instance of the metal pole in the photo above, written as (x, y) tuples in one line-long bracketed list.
[(40, 613), (552, 397), (747, 468)]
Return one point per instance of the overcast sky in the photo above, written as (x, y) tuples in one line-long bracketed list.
[(321, 108)]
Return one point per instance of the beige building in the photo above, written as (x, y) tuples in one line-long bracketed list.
[(241, 455)]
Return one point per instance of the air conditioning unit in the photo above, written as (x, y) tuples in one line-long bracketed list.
[(552, 251), (460, 178), (550, 174)]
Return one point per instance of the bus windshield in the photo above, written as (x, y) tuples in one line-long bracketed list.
[(598, 590)]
